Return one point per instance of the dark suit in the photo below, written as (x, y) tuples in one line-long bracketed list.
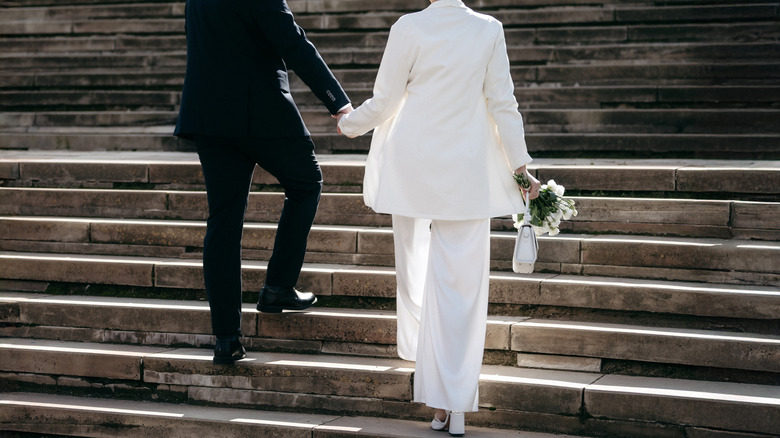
[(237, 107)]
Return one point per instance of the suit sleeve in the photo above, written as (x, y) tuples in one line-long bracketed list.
[(389, 88), (499, 92), (290, 43)]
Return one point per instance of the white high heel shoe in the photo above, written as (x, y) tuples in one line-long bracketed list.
[(457, 423), (437, 424)]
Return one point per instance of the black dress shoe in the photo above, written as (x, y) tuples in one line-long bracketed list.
[(227, 351), (275, 299)]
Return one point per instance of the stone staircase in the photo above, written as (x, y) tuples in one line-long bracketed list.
[(654, 314)]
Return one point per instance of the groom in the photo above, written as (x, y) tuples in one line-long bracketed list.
[(237, 108)]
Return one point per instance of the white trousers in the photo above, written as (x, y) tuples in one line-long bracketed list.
[(442, 271)]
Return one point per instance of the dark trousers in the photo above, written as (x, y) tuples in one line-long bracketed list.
[(228, 164)]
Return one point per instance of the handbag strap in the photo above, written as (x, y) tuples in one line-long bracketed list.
[(527, 203)]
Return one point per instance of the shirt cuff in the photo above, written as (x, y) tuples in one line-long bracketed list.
[(343, 108)]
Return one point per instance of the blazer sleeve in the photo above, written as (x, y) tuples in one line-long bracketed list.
[(290, 43), (389, 88), (499, 92)]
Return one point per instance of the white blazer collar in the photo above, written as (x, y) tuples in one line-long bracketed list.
[(444, 3)]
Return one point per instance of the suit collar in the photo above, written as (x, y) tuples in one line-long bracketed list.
[(445, 3)]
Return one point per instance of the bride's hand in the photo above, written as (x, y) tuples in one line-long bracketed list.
[(533, 190), (339, 115)]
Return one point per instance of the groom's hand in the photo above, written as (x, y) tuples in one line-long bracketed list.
[(346, 110)]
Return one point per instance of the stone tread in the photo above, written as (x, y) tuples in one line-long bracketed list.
[(755, 302), (722, 405), (717, 219), (364, 332), (647, 145), (35, 54), (21, 19), (755, 121), (536, 98), (86, 415)]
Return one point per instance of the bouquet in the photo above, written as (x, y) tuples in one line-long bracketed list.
[(548, 209)]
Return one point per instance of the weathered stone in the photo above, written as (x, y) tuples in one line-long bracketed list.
[(76, 416), (376, 241), (44, 229), (516, 288), (277, 400), (327, 325), (703, 254), (663, 211), (498, 333), (327, 375), (9, 171), (561, 363), (357, 349), (129, 26), (89, 269), (689, 275), (752, 215), (698, 432), (72, 202), (611, 178), (713, 31), (554, 392), (704, 179), (660, 297), (693, 13), (649, 344), (282, 345), (365, 281), (84, 172), (719, 405), (175, 173), (74, 359)]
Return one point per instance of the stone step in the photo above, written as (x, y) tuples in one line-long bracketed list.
[(68, 415), (82, 12), (302, 6), (674, 38), (703, 348), (84, 51), (596, 214), (540, 145), (26, 100), (364, 332), (616, 74), (585, 36), (139, 26), (552, 401), (676, 259), (731, 179), (536, 98), (591, 15), (72, 20), (73, 61), (595, 56), (628, 121)]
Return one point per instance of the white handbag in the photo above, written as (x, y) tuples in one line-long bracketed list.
[(526, 245)]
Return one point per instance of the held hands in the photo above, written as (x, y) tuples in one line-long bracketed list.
[(527, 183), (348, 109)]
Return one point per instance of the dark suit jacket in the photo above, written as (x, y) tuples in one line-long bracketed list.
[(236, 83)]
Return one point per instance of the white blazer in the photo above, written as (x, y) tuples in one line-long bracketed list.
[(448, 133)]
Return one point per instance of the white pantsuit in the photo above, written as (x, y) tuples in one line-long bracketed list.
[(447, 135), (442, 276)]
